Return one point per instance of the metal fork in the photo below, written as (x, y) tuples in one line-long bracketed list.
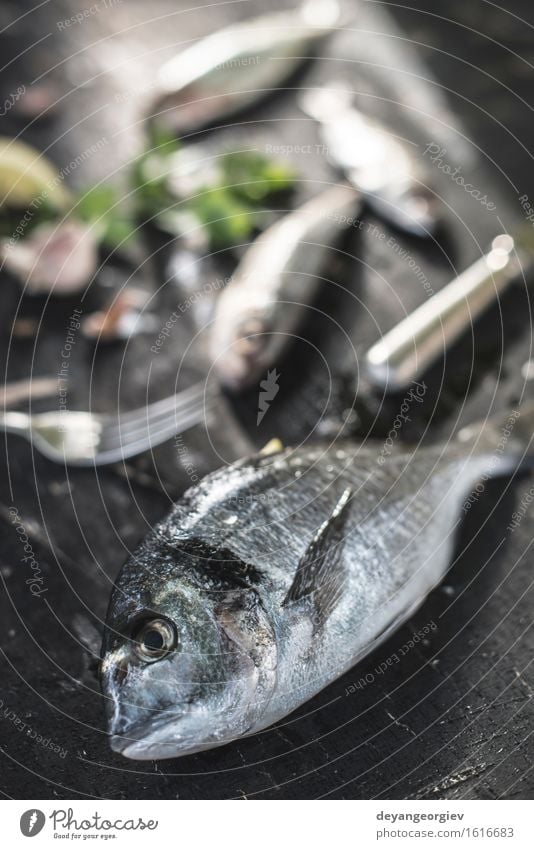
[(87, 439)]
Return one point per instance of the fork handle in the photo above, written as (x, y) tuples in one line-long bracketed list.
[(404, 354), (13, 422)]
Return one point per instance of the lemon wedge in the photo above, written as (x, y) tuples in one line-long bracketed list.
[(25, 174)]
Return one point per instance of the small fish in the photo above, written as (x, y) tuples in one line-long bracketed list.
[(277, 574), (375, 161), (231, 69), (260, 310)]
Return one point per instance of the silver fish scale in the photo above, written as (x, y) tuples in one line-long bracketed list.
[(279, 573), (395, 547)]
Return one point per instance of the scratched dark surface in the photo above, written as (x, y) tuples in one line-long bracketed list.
[(454, 718)]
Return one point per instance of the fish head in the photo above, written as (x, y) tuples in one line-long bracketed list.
[(246, 353), (246, 336), (186, 666)]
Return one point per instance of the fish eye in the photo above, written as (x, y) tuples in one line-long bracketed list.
[(154, 639)]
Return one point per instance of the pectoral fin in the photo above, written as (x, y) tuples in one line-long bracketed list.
[(320, 575)]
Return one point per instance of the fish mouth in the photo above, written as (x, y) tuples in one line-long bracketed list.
[(148, 743), (145, 750)]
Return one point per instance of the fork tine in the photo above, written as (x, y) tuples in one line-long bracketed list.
[(150, 418), (118, 439), (197, 390), (116, 450)]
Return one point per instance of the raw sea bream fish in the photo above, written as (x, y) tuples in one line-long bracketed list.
[(235, 67), (260, 311), (275, 575)]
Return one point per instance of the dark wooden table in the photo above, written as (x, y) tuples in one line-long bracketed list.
[(454, 719)]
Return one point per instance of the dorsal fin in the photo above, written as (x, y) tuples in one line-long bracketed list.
[(319, 573)]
